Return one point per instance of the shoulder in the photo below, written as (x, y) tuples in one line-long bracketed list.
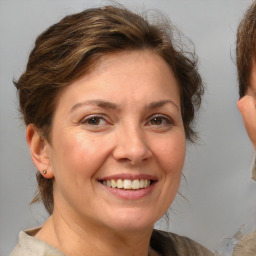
[(173, 244), (28, 245), (247, 246)]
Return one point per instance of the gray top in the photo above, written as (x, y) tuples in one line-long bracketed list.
[(247, 246), (163, 243), (29, 245)]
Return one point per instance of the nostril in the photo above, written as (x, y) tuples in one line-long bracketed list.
[(131, 146)]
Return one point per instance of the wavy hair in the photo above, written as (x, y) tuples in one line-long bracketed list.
[(74, 46)]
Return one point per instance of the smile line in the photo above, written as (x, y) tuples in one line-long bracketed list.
[(127, 184)]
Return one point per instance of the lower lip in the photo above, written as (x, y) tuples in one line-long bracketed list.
[(130, 194)]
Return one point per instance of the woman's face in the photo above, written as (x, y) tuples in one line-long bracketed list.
[(118, 143)]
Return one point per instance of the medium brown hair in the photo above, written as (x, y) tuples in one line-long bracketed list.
[(246, 48), (73, 47)]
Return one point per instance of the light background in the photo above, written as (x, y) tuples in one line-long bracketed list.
[(222, 198)]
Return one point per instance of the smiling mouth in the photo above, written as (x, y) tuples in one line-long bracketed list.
[(127, 184)]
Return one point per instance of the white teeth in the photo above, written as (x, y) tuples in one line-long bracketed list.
[(109, 183), (135, 184), (113, 184), (141, 183), (127, 184), (120, 184)]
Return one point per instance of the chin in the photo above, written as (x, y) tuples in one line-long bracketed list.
[(131, 221)]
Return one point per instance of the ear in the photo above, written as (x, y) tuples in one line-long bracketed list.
[(39, 150), (246, 106)]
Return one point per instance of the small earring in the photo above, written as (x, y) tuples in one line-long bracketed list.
[(44, 172)]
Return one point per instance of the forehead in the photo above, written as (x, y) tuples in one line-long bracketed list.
[(125, 75), (125, 58)]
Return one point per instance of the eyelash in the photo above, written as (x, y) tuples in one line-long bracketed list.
[(94, 121), (163, 118), (86, 120)]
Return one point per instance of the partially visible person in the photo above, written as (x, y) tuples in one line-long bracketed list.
[(108, 100), (246, 68)]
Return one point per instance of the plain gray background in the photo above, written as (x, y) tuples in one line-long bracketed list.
[(222, 197)]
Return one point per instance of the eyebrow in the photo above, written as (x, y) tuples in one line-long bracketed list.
[(110, 105), (161, 103), (99, 103)]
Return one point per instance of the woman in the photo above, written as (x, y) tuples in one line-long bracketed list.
[(246, 70), (108, 100)]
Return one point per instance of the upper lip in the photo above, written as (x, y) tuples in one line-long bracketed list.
[(129, 176)]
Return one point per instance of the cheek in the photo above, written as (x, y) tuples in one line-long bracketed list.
[(77, 154), (171, 154)]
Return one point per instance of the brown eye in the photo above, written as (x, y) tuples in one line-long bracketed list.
[(157, 121), (160, 121), (94, 121)]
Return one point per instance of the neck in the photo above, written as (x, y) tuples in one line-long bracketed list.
[(75, 240)]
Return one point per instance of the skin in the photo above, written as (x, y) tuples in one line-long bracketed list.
[(121, 120), (247, 107)]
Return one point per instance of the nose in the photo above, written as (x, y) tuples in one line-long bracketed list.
[(131, 146)]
